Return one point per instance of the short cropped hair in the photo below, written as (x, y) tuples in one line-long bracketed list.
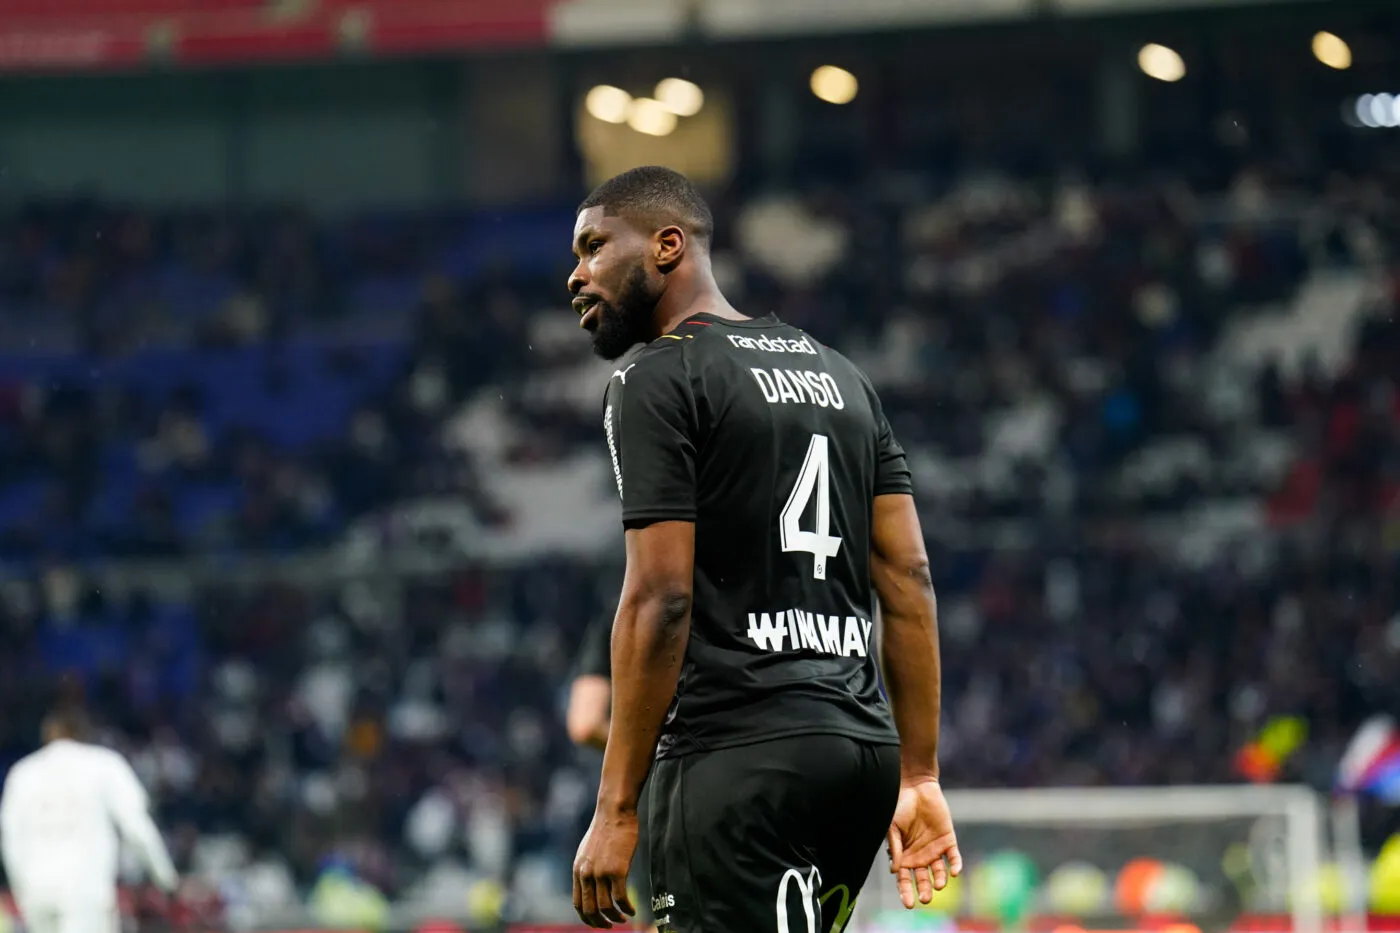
[(656, 196)]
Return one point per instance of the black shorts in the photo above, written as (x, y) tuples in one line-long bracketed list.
[(776, 837)]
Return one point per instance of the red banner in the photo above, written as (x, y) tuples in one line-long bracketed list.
[(77, 36), (27, 48)]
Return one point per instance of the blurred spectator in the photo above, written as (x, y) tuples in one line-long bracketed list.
[(1156, 436)]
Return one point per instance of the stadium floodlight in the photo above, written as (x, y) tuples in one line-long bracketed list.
[(1160, 62), (650, 117), (1094, 856), (1331, 50), (1375, 111), (681, 97), (1382, 107), (607, 103), (834, 85), (1363, 111)]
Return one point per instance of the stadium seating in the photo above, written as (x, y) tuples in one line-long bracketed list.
[(1151, 450)]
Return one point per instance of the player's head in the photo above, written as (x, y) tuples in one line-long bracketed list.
[(632, 236), (65, 722)]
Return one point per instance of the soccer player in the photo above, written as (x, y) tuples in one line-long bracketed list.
[(590, 693), (766, 505), (590, 704), (60, 814)]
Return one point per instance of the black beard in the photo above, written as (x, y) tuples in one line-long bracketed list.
[(622, 326)]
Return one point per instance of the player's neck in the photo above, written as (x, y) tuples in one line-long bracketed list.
[(689, 295)]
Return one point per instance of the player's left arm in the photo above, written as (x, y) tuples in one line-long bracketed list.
[(651, 433), (648, 645)]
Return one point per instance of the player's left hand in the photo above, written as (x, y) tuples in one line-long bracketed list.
[(601, 867)]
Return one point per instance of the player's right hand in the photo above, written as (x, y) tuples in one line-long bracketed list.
[(923, 847)]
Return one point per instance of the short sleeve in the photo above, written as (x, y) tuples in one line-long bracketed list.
[(595, 653), (649, 420), (892, 475)]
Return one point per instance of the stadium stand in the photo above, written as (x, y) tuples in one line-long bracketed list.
[(1137, 409)]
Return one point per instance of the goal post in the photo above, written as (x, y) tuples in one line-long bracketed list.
[(1246, 859)]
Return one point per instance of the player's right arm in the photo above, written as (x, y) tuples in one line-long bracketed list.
[(909, 654), (899, 572), (921, 833), (130, 810)]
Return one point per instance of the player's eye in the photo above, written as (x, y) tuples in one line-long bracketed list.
[(594, 246)]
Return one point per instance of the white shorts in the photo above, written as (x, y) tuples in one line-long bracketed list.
[(68, 918)]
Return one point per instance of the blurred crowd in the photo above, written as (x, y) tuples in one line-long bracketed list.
[(1154, 429)]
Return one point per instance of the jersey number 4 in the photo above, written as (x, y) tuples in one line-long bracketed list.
[(815, 477)]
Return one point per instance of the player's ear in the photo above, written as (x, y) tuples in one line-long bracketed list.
[(670, 245)]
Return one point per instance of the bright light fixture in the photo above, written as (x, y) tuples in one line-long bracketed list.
[(1363, 111), (650, 117), (834, 85), (1332, 51), (1383, 110), (1378, 111), (609, 104), (1160, 62), (681, 97)]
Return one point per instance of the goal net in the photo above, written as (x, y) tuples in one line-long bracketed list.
[(1172, 859)]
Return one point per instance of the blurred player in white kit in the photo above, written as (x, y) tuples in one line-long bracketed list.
[(60, 815)]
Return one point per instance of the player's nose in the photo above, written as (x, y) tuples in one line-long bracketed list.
[(577, 279)]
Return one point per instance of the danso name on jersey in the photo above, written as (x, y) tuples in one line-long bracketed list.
[(781, 386)]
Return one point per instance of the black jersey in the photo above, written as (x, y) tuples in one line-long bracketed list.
[(595, 650), (775, 447)]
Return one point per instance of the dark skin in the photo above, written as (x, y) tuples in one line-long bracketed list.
[(922, 845), (635, 280), (649, 639), (631, 286)]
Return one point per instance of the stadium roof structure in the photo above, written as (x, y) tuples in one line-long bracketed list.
[(76, 35)]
